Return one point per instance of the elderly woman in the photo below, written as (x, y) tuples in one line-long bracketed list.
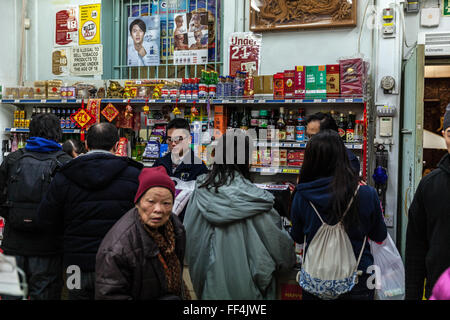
[(141, 257)]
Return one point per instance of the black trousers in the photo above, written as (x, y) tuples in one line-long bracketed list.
[(87, 288), (43, 276)]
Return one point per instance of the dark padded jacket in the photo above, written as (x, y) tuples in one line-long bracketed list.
[(127, 265), (185, 171), (18, 242), (86, 198), (427, 253)]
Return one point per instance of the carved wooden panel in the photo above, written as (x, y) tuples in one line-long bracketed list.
[(270, 15)]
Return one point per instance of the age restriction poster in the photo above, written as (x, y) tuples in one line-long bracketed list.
[(89, 32), (66, 26), (86, 60), (244, 51)]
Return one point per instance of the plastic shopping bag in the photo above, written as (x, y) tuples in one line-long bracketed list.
[(183, 190), (391, 282)]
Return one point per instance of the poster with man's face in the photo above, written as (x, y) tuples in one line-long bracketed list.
[(190, 35), (143, 41)]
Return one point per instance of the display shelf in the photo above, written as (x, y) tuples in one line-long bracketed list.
[(287, 170), (26, 130), (300, 145), (212, 101)]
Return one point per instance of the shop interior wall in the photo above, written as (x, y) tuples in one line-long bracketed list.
[(10, 11)]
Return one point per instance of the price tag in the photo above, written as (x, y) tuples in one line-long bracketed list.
[(296, 145), (76, 131), (13, 129), (348, 100), (16, 101), (331, 100), (78, 101), (125, 100), (288, 101), (250, 101), (167, 101), (202, 101), (183, 101), (138, 82), (152, 101), (43, 101), (317, 100), (290, 171), (239, 101), (226, 101)]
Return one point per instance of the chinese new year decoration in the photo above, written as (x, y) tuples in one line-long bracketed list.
[(82, 119), (110, 112)]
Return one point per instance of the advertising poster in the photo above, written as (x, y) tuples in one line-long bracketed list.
[(244, 51), (445, 8), (143, 41), (190, 35), (60, 62), (86, 60), (89, 32), (213, 9), (66, 26)]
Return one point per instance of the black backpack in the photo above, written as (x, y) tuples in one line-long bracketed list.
[(29, 178)]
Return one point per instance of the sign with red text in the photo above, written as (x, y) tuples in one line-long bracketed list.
[(66, 26), (90, 24), (244, 51)]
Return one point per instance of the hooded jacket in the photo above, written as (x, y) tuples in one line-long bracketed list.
[(18, 242), (427, 253), (306, 221), (85, 199), (235, 242)]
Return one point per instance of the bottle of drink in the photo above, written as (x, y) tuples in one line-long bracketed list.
[(291, 124), (62, 118), (242, 83), (165, 91), (350, 131), (359, 131), (220, 90), (245, 122), (203, 86), (14, 143), (212, 86), (195, 89), (342, 126), (236, 121), (230, 121), (271, 124), (236, 83), (228, 87), (300, 128), (281, 126), (188, 87), (183, 89), (249, 85), (34, 112)]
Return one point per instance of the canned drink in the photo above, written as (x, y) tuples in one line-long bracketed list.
[(22, 123), (16, 123), (27, 123), (300, 133), (22, 114)]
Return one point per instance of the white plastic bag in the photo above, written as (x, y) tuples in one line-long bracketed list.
[(184, 190), (391, 283)]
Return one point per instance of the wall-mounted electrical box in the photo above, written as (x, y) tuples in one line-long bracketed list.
[(385, 114), (412, 6), (388, 29), (430, 17)]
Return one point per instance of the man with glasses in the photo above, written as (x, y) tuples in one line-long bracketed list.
[(180, 162)]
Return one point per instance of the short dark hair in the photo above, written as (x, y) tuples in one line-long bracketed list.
[(47, 126), (178, 123), (140, 23), (326, 121), (102, 136), (73, 145)]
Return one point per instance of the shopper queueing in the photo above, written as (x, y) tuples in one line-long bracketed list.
[(328, 181), (86, 198), (25, 176), (73, 147), (235, 241), (322, 121), (141, 257), (427, 253)]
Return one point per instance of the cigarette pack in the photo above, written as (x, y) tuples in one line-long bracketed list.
[(311, 76), (289, 83), (258, 84), (299, 81), (333, 79), (268, 84), (321, 82)]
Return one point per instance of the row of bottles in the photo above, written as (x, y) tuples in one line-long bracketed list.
[(350, 129), (63, 114)]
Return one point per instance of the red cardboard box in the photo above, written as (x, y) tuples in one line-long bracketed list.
[(333, 76), (299, 82), (289, 83), (278, 85)]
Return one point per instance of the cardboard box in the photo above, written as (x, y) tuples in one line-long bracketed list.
[(310, 86), (283, 157), (220, 121), (278, 85), (299, 81), (289, 83), (258, 84), (268, 84), (321, 82), (333, 79)]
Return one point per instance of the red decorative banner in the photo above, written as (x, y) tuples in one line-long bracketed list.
[(110, 112)]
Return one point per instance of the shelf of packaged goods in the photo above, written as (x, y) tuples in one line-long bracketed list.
[(26, 130), (212, 101), (300, 145), (274, 170)]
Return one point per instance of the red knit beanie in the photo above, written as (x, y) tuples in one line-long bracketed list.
[(154, 177)]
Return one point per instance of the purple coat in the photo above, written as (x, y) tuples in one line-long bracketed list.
[(441, 290)]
